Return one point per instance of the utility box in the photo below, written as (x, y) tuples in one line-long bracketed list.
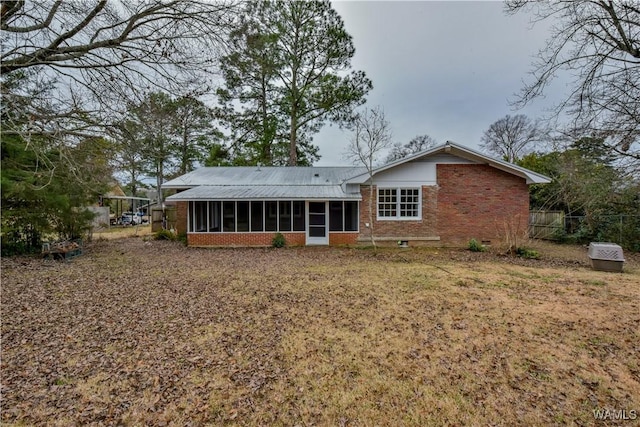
[(606, 256)]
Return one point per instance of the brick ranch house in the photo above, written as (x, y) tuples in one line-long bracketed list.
[(443, 196)]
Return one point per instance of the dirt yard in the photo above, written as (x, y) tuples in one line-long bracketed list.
[(153, 333)]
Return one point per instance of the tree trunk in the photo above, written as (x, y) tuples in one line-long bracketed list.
[(159, 169), (373, 240), (185, 151), (293, 132), (267, 132), (293, 152)]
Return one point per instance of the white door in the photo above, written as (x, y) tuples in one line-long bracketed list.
[(317, 223)]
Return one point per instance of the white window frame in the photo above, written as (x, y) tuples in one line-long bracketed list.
[(398, 217)]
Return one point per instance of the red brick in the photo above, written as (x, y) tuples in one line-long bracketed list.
[(181, 217), (242, 239), (470, 201), (479, 201), (263, 239), (425, 227), (336, 239)]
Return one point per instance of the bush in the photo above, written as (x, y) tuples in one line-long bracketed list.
[(182, 238), (278, 241), (21, 241), (527, 253), (165, 235), (475, 246)]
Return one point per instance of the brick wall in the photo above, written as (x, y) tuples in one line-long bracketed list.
[(181, 217), (336, 239), (426, 227), (478, 201), (263, 239), (242, 239)]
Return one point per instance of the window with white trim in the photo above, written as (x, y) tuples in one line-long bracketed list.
[(409, 202), (398, 203), (387, 203)]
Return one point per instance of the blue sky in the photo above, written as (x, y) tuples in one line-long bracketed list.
[(446, 69)]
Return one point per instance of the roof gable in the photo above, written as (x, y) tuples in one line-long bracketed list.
[(461, 152)]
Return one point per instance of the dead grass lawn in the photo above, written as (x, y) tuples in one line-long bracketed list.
[(136, 333)]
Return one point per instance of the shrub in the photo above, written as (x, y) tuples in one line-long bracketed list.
[(182, 238), (21, 241), (278, 241), (527, 253), (475, 246), (165, 235)]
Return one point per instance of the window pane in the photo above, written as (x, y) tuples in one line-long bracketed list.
[(214, 217), (316, 207), (242, 223), (285, 216), (387, 198), (350, 216), (317, 219), (317, 232), (335, 216), (256, 216), (191, 211), (298, 216), (200, 217), (229, 216), (409, 202), (271, 216)]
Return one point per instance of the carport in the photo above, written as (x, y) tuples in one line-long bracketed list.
[(136, 203)]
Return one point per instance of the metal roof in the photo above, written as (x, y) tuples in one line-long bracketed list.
[(264, 192), (253, 182), (265, 175), (305, 183), (126, 198)]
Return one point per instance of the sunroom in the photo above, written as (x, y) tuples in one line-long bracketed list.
[(315, 220), (257, 203)]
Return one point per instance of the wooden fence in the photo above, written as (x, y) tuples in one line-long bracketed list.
[(546, 224), (156, 218)]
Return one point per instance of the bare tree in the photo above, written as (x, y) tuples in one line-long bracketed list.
[(371, 136), (417, 144), (97, 57), (598, 43), (109, 42), (511, 137)]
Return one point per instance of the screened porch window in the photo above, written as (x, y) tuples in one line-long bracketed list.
[(245, 216), (228, 216), (284, 215), (200, 217), (343, 216), (299, 216), (242, 216), (271, 216), (257, 209), (215, 222)]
